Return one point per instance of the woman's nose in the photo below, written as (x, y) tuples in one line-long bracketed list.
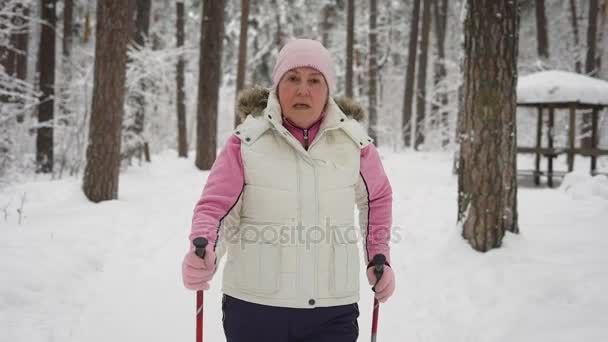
[(303, 89)]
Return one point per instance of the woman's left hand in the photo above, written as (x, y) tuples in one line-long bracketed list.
[(385, 286)]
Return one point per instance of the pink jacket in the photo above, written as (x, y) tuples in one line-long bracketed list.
[(226, 181)]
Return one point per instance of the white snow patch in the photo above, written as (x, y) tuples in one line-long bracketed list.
[(581, 185), (561, 86), (77, 271)]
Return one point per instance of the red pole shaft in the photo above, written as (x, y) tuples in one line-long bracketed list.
[(199, 316), (375, 319)]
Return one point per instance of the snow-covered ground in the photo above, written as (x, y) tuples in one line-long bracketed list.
[(78, 271)]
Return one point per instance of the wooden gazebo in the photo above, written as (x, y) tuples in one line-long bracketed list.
[(551, 90)]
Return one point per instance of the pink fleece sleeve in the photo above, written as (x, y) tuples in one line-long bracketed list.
[(376, 204), (221, 192)]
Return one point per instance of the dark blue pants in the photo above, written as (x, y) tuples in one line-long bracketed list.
[(249, 322)]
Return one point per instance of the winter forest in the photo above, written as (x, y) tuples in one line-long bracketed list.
[(491, 118)]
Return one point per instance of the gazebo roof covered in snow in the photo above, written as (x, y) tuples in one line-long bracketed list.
[(561, 89)]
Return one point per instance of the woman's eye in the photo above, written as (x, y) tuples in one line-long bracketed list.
[(315, 81), (292, 78)]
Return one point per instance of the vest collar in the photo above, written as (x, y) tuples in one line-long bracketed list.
[(333, 119)]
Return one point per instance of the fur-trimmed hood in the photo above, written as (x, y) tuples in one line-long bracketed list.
[(252, 101)]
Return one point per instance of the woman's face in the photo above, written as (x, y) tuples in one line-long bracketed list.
[(302, 94)]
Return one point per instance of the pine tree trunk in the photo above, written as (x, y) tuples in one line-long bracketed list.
[(142, 22), (373, 72), (242, 62), (20, 41), (574, 22), (182, 134), (68, 19), (510, 214), (13, 56), (210, 68), (408, 97), (359, 60), (46, 67), (350, 35), (5, 62), (87, 26), (137, 98), (441, 100), (542, 38), (68, 10), (279, 33), (487, 189), (602, 42), (21, 45), (7, 54), (114, 25), (422, 66), (590, 67), (327, 14), (460, 133), (330, 18)]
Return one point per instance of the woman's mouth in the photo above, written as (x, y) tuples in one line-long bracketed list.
[(301, 106)]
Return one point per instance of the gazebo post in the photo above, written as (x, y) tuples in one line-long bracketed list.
[(539, 133), (571, 137), (594, 139), (550, 147)]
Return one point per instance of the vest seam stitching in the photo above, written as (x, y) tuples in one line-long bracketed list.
[(368, 215), (217, 234)]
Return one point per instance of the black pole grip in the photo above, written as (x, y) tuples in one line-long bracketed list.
[(378, 261), (200, 243)]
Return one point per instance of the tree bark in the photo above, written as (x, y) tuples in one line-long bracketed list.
[(373, 71), (46, 67), (590, 67), (441, 98), (87, 27), (359, 66), (182, 135), (68, 19), (279, 36), (510, 214), (137, 98), (601, 37), (422, 66), (210, 68), (242, 63), (15, 63), (328, 21), (350, 35), (408, 96), (574, 22), (21, 41), (114, 25), (142, 22), (487, 189), (542, 39), (68, 14)]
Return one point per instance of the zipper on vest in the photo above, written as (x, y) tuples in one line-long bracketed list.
[(305, 138)]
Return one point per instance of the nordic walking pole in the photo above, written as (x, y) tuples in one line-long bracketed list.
[(378, 261), (200, 244)]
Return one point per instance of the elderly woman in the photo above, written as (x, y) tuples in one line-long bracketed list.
[(279, 203)]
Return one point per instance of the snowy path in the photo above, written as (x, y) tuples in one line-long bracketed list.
[(76, 271)]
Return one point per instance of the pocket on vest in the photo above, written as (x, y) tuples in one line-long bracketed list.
[(259, 267), (344, 270)]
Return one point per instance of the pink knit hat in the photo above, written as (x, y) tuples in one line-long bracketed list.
[(299, 53)]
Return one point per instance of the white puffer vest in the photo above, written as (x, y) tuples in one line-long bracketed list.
[(295, 243)]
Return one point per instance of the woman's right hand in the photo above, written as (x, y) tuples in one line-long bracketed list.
[(197, 272)]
